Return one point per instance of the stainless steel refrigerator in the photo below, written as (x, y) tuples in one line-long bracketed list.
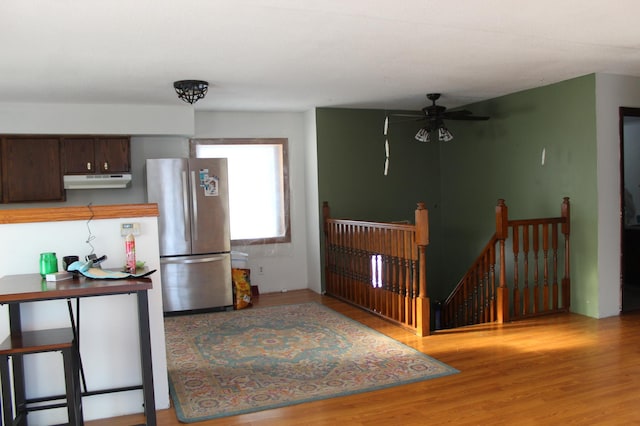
[(193, 226)]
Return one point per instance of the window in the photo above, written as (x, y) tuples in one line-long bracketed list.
[(258, 186)]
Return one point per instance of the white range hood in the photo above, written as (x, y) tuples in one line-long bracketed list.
[(121, 180)]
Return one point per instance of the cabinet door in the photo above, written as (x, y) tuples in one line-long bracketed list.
[(112, 155), (31, 170), (79, 155)]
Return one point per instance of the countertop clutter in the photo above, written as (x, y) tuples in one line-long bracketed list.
[(17, 289), (109, 309)]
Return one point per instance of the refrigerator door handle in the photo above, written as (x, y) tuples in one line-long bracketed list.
[(185, 206), (194, 202), (182, 260)]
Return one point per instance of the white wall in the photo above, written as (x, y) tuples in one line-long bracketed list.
[(314, 254), (158, 132), (96, 119), (108, 325), (284, 265), (612, 92)]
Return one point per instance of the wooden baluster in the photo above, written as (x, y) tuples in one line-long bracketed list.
[(362, 268), (473, 295), (388, 269), (363, 264), (545, 252), (356, 262), (554, 252), (536, 282), (484, 289), (488, 290), (401, 279), (516, 286), (492, 277), (333, 262), (414, 278), (411, 278), (480, 291), (343, 261), (395, 275), (376, 292), (337, 258), (370, 259), (525, 254), (366, 281), (349, 261)]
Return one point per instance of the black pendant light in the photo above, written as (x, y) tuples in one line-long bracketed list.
[(191, 91)]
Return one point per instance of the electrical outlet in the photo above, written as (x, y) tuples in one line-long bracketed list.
[(129, 228), (260, 270)]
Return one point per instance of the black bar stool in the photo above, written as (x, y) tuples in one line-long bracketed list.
[(39, 341)]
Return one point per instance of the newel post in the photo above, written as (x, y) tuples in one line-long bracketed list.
[(502, 233), (422, 241)]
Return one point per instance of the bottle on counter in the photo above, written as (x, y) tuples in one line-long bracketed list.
[(130, 254)]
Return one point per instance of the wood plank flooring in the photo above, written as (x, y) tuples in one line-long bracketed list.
[(554, 370)]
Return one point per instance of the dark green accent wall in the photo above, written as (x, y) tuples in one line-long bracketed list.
[(351, 156), (461, 180), (502, 158)]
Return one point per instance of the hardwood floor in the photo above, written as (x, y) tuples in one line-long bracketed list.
[(554, 370)]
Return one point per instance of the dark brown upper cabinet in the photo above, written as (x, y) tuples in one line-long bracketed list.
[(96, 155), (31, 169)]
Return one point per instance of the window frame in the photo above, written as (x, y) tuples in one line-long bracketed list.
[(286, 238)]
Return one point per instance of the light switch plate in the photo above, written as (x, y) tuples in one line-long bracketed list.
[(129, 228)]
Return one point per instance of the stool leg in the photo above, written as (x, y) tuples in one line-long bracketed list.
[(74, 402), (5, 379)]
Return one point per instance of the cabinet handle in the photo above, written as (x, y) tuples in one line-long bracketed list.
[(89, 166), (106, 166)]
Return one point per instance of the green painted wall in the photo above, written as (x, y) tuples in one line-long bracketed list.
[(462, 180), (501, 158), (350, 171)]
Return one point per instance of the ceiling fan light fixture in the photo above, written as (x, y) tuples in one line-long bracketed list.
[(191, 91), (423, 135), (444, 135)]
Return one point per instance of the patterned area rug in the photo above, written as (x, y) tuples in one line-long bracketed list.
[(227, 363)]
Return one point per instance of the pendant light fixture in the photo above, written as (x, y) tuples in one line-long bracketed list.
[(191, 91)]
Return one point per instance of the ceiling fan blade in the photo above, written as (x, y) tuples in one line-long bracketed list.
[(458, 112), (462, 115), (417, 114), (467, 118), (408, 120)]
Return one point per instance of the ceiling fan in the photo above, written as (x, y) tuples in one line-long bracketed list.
[(434, 115)]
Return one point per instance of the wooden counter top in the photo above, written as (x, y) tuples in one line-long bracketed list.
[(58, 214), (31, 287)]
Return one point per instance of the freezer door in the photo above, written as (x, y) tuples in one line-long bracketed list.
[(209, 191), (196, 282), (168, 185)]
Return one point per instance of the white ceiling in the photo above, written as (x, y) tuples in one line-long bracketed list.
[(292, 55)]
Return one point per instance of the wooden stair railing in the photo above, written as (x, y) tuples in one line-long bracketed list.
[(380, 267), (500, 289)]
